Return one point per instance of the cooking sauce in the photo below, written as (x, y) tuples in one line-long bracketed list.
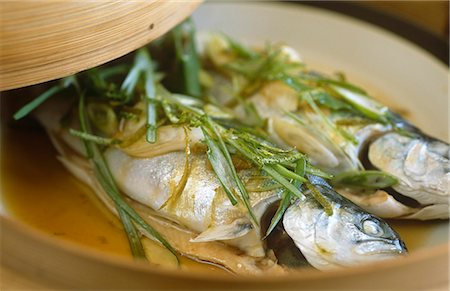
[(37, 190)]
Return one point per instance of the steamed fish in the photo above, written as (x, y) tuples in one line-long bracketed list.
[(342, 130), (188, 172), (201, 223)]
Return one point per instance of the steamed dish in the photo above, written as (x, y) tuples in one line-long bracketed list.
[(344, 131), (193, 151)]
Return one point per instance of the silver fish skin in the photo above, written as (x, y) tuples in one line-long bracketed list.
[(419, 162), (349, 237), (202, 206), (422, 167)]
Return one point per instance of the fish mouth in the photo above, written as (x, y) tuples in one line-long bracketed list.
[(381, 247)]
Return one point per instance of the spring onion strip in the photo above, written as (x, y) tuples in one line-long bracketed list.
[(25, 110), (221, 167), (150, 95), (300, 170), (187, 57), (151, 117), (282, 180), (310, 170), (143, 66), (319, 198), (294, 117), (288, 174), (93, 138), (229, 164), (134, 239), (370, 179), (284, 204), (294, 84), (240, 49), (106, 179), (343, 133), (317, 172), (366, 105)]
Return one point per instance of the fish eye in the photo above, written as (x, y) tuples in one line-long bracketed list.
[(370, 227)]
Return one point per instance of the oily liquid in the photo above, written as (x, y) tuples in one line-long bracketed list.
[(37, 190)]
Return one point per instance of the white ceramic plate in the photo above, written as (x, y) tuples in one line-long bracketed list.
[(393, 69)]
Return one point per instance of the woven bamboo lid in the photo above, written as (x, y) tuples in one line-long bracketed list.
[(46, 40)]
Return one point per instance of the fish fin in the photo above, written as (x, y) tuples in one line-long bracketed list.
[(379, 203), (237, 228), (435, 211)]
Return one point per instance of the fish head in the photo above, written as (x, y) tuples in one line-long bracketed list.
[(421, 164), (349, 237)]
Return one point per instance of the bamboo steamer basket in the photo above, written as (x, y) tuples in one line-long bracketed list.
[(106, 30), (44, 262), (46, 40)]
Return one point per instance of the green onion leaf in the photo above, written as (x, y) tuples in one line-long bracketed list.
[(366, 105), (284, 204), (133, 76), (320, 198), (240, 49), (293, 83), (137, 250), (150, 99), (187, 58), (366, 179), (93, 138), (221, 150), (282, 180), (327, 121), (326, 100), (25, 110), (102, 171), (221, 167), (318, 172), (288, 174), (300, 170)]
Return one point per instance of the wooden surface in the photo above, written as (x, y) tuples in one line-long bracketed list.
[(37, 261), (45, 40)]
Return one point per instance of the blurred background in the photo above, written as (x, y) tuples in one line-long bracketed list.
[(425, 23), (431, 15)]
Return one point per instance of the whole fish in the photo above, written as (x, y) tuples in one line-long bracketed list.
[(419, 162), (199, 220), (322, 117)]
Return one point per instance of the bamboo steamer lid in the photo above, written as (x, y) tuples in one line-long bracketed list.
[(46, 40)]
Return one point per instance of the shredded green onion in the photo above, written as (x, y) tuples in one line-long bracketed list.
[(367, 179), (25, 110), (320, 198), (106, 179), (93, 138)]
